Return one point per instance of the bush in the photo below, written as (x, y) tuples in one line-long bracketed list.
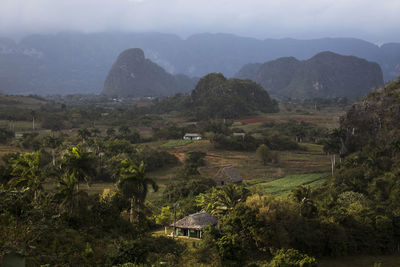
[(5, 136), (291, 258), (246, 143)]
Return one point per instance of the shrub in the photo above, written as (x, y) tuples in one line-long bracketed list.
[(291, 258)]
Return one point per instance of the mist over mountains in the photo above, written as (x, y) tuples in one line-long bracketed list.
[(68, 63)]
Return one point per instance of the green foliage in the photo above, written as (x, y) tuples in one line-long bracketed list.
[(232, 249), (179, 190), (133, 185), (5, 136), (78, 164), (265, 154), (217, 97), (53, 122), (291, 258), (222, 200), (193, 160), (130, 251), (247, 142), (165, 217)]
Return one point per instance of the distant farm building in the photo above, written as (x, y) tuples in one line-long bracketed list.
[(239, 135), (192, 225), (228, 175), (192, 136)]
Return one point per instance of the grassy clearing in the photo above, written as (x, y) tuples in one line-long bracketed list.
[(284, 186), (173, 143)]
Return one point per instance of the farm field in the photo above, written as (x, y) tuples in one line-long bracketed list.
[(283, 186)]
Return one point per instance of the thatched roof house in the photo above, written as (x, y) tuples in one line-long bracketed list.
[(228, 175), (193, 224)]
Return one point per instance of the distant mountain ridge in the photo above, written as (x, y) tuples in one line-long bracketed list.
[(67, 63), (326, 75), (132, 75)]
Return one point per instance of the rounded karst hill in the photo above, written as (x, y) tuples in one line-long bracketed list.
[(132, 75), (326, 75), (218, 97)]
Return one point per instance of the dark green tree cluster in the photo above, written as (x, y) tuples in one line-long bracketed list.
[(217, 97), (46, 217)]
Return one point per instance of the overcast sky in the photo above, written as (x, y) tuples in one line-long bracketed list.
[(373, 20)]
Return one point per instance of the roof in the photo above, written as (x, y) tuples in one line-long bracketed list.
[(228, 173), (196, 221), (193, 135)]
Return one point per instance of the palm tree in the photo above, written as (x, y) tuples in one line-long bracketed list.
[(221, 200), (79, 165), (27, 171), (231, 195), (53, 142), (68, 193), (84, 134), (133, 185)]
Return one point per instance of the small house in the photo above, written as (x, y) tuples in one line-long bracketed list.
[(242, 135), (192, 225), (192, 136), (228, 175)]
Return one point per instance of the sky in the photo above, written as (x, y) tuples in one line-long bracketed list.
[(372, 20)]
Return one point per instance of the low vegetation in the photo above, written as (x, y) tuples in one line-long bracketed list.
[(96, 184)]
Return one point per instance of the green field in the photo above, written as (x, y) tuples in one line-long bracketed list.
[(173, 143), (283, 186)]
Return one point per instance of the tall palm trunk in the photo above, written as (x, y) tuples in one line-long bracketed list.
[(131, 212)]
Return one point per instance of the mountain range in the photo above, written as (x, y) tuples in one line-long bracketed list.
[(325, 75), (70, 62)]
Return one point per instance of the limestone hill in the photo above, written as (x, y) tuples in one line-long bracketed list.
[(132, 75), (325, 75)]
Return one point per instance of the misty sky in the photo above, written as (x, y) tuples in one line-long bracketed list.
[(373, 20)]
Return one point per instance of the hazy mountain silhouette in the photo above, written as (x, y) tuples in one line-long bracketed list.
[(324, 75), (132, 75), (78, 63)]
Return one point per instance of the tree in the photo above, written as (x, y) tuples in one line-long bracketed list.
[(67, 192), (223, 199), (27, 171), (110, 132), (333, 145), (84, 133), (95, 132), (79, 164), (193, 160), (165, 217), (53, 143), (133, 185), (264, 153), (124, 130), (291, 258)]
